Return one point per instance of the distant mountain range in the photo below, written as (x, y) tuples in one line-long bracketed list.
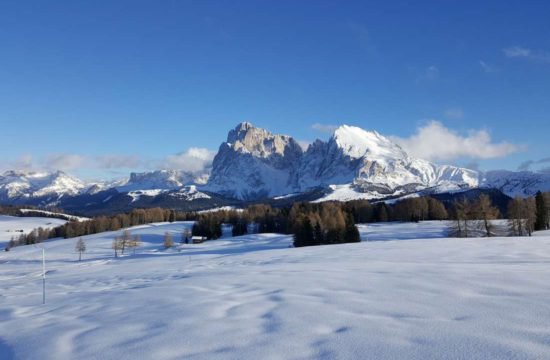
[(255, 165)]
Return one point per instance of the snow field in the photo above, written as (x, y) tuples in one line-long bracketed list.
[(252, 297), (11, 225)]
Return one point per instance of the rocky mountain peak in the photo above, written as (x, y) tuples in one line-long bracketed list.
[(260, 142)]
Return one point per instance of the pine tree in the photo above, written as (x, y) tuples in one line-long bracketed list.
[(382, 213), (318, 234), (351, 232), (304, 234), (541, 212)]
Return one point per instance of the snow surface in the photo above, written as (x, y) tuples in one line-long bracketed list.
[(71, 217), (136, 195), (221, 208), (357, 143), (10, 226), (252, 297)]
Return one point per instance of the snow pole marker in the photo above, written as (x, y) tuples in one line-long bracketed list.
[(43, 276)]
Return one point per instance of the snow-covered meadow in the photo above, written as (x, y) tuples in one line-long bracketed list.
[(12, 226), (253, 297)]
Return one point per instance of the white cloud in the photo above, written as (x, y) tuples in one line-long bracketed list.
[(117, 161), (326, 128), (525, 53), (516, 51), (434, 141), (25, 162), (194, 159), (526, 165), (65, 161), (454, 113)]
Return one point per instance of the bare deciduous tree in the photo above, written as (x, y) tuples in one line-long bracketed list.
[(134, 243), (521, 216), (462, 215), (484, 212), (80, 247)]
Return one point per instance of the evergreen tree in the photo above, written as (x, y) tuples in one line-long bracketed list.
[(318, 234), (351, 232), (304, 234), (541, 212)]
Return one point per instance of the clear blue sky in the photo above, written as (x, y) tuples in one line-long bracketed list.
[(144, 80)]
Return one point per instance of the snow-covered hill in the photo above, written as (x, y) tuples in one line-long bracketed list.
[(253, 297)]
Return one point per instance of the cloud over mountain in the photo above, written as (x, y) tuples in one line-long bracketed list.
[(434, 141)]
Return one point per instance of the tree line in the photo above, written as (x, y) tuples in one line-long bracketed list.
[(524, 215), (322, 223), (310, 224), (31, 210), (101, 224)]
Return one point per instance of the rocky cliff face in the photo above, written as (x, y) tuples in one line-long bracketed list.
[(254, 163)]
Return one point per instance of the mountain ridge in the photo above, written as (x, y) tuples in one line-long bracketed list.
[(254, 164)]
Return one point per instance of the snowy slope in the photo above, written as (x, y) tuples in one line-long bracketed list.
[(517, 183), (55, 214), (11, 226), (356, 163), (253, 298)]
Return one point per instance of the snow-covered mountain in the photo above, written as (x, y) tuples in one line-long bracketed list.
[(19, 185), (373, 166), (254, 164), (160, 179), (517, 183)]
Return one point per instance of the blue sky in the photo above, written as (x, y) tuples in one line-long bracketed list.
[(101, 88)]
